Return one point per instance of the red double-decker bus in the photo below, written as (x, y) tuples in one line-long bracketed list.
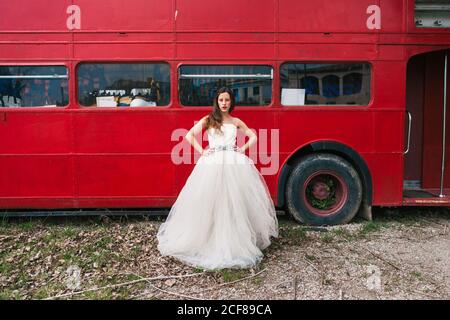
[(348, 99)]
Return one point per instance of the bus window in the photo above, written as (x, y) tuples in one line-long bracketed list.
[(325, 84), (123, 84), (432, 14), (33, 86), (252, 85)]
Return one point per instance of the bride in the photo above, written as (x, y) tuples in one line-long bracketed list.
[(223, 216)]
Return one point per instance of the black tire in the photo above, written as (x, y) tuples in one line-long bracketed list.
[(323, 189)]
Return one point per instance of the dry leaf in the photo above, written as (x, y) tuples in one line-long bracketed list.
[(170, 282)]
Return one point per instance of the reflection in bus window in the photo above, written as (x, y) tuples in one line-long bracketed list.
[(311, 84), (251, 85), (325, 84), (124, 84), (330, 86), (352, 83), (33, 86)]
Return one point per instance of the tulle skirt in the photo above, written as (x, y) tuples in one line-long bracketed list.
[(223, 216)]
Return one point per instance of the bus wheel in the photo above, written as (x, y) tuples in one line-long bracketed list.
[(323, 189)]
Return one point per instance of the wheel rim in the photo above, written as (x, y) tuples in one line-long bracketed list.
[(324, 192)]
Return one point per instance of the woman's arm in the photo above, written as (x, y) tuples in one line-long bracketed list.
[(196, 129), (249, 133)]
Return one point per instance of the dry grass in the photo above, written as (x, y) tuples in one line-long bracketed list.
[(402, 254)]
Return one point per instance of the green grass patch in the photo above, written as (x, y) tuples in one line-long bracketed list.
[(10, 294), (257, 281), (417, 275), (69, 255), (6, 268), (69, 232), (136, 250), (295, 235), (345, 234), (49, 290), (230, 275), (28, 225), (104, 241), (371, 226), (327, 237), (122, 292), (342, 232), (310, 257)]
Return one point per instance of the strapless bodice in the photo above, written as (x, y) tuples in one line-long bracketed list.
[(226, 138)]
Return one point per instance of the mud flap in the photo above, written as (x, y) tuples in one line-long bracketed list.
[(365, 211)]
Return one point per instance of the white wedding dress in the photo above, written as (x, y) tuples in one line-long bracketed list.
[(223, 216)]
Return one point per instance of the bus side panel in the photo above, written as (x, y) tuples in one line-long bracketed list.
[(124, 175), (35, 176), (390, 81), (387, 179), (124, 154), (381, 151), (34, 155), (223, 16), (35, 132), (324, 16), (234, 51), (305, 52), (133, 15), (159, 51), (34, 15), (17, 51), (353, 128)]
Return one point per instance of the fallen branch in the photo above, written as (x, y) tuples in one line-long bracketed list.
[(276, 285), (322, 275), (232, 282), (426, 294), (122, 284), (314, 267), (434, 235), (439, 223), (176, 294), (168, 292), (398, 268), (381, 258)]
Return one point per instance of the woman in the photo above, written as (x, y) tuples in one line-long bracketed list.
[(223, 216)]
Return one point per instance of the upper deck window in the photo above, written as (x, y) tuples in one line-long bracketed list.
[(252, 85), (325, 84), (123, 84), (33, 86), (432, 14)]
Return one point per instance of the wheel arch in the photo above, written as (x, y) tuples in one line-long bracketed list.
[(332, 147)]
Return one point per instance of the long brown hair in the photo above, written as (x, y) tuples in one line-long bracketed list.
[(215, 118)]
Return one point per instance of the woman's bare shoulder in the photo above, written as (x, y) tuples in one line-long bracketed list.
[(203, 120), (238, 122)]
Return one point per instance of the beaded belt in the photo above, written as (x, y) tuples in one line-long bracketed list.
[(223, 148)]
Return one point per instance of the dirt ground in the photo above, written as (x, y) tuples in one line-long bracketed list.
[(401, 254)]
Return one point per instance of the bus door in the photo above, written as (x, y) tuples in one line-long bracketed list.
[(427, 154)]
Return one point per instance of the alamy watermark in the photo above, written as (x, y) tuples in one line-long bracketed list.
[(73, 21), (265, 152), (73, 279), (373, 282)]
